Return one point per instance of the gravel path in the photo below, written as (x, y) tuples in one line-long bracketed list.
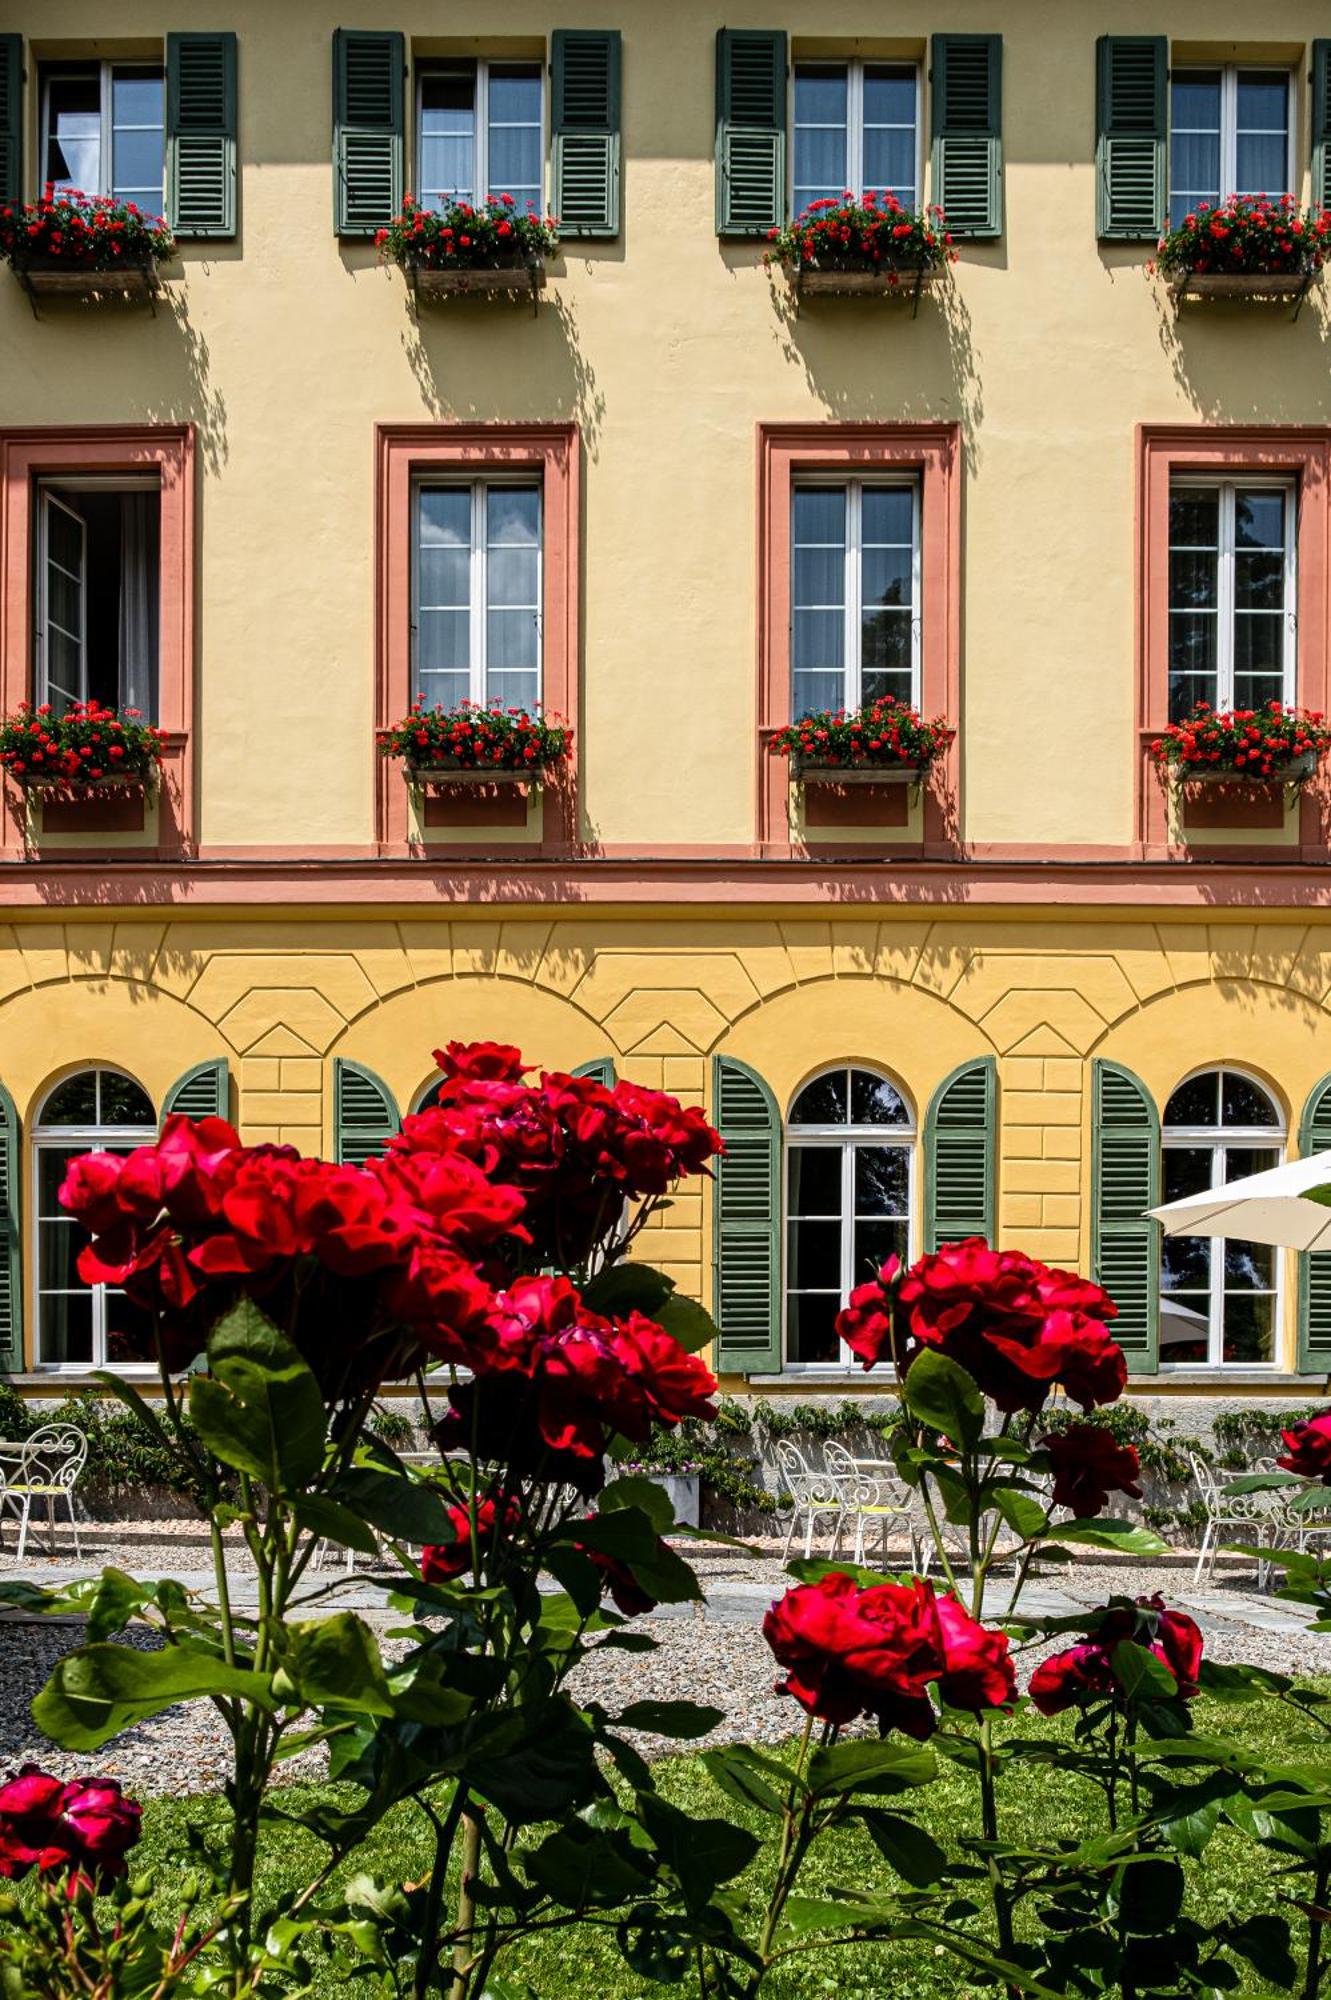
[(714, 1653)]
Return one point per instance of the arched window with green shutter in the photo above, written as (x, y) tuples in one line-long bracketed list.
[(202, 1092), (1125, 1182), (11, 1260), (601, 1071), (1315, 1268), (961, 1155), (746, 1229), (365, 1113)]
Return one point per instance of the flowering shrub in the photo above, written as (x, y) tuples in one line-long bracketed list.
[(472, 738), (886, 733), (875, 234), (1247, 742), (86, 232), (1247, 234), (463, 237), (484, 1254), (87, 744)]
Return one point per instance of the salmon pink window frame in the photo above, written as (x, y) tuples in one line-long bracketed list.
[(165, 451), (930, 454), (406, 453), (1167, 454)]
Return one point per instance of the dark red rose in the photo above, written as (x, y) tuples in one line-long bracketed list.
[(626, 1593), (852, 1652), (977, 1673), (1065, 1679), (1308, 1448), (84, 1825), (1088, 1466), (442, 1561), (866, 1323)]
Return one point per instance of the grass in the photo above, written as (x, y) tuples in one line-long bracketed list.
[(1231, 1879)]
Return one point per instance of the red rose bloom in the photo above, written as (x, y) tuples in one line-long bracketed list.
[(1067, 1678), (442, 1561), (626, 1593), (1308, 1448), (1088, 1466), (1087, 1670), (86, 1825), (977, 1671), (852, 1652)]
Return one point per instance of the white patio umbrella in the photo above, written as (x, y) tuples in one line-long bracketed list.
[(1263, 1208)]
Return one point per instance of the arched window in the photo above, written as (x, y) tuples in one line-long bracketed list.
[(1220, 1297), (850, 1177), (82, 1326)]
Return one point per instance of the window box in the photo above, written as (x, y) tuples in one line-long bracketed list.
[(876, 247), (1295, 771), (72, 245), (808, 771), (427, 281), (871, 281), (49, 781), (51, 278), (426, 775), (1249, 247), (1265, 747), (1196, 287)]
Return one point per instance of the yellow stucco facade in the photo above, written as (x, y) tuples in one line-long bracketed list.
[(1049, 934)]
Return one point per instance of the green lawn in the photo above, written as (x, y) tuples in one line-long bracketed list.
[(1233, 1877)]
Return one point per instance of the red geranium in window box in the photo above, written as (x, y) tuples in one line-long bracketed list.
[(884, 740), (1270, 745), (87, 748), (1247, 246), (467, 743), (872, 245), (493, 247), (49, 242)]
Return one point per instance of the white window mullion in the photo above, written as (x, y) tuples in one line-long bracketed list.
[(482, 133), (854, 674), (847, 1232), (916, 611), (479, 594), (1225, 612), (1216, 1304), (1291, 648), (104, 167), (855, 128), (1229, 131)]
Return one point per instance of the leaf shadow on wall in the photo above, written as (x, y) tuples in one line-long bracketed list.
[(490, 360), (1250, 361), (926, 369)]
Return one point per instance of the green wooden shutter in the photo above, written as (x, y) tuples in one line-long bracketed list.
[(201, 134), (584, 126), (960, 1156), (365, 1116), (750, 130), (1321, 123), (369, 75), (967, 116), (746, 1233), (1315, 1269), (11, 1253), (602, 1070), (11, 118), (1125, 1181), (202, 1092), (1130, 123)]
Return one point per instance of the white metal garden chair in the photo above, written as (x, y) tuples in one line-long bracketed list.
[(814, 1496), (1255, 1517), (45, 1466), (872, 1496)]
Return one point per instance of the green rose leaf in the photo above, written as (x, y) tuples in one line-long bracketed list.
[(904, 1845), (700, 1853), (334, 1663), (945, 1396), (869, 1767), (408, 1509), (683, 1719), (259, 1407), (691, 1324), (624, 1288), (1140, 1675), (581, 1867), (95, 1693), (319, 1515), (749, 1777), (1127, 1537), (627, 1535)]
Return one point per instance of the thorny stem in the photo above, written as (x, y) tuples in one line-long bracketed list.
[(471, 1858), (795, 1838)]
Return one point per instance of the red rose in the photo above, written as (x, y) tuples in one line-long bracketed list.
[(977, 1672), (487, 1061), (852, 1652), (1088, 1466), (442, 1561), (626, 1593), (85, 1824), (1065, 1679), (1087, 1670), (866, 1323), (1308, 1448)]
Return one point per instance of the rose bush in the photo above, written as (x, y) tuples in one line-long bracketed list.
[(483, 1255)]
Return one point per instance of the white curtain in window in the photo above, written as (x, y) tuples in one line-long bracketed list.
[(139, 566)]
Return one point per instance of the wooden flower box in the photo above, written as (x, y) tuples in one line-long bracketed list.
[(873, 281), (135, 280), (1293, 771), (804, 771), (426, 775), (1240, 287), (133, 785), (514, 281)]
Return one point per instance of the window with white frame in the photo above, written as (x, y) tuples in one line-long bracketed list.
[(1229, 133), (79, 1325), (1232, 594), (1220, 1298), (98, 593), (855, 594), (481, 132), (104, 131), (477, 594), (856, 127), (850, 1174)]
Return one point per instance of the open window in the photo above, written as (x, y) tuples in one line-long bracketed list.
[(98, 596), (104, 131)]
